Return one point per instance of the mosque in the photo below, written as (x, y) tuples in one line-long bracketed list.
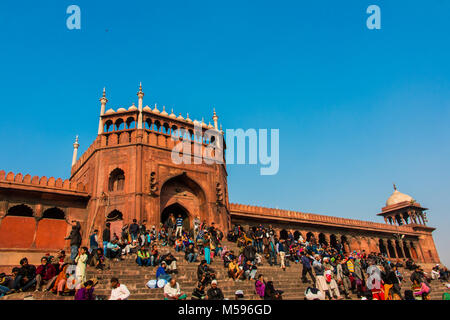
[(127, 173)]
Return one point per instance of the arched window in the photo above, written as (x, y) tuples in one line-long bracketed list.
[(119, 124), (53, 213), (131, 123), (116, 180), (20, 211)]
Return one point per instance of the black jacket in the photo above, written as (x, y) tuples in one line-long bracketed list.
[(75, 235), (250, 252), (106, 236), (215, 294), (28, 271)]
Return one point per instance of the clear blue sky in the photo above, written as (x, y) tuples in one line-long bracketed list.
[(357, 109)]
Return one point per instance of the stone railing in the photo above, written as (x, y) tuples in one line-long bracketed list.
[(258, 211), (41, 181)]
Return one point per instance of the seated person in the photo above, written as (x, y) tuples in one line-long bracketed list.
[(113, 250), (214, 293), (234, 271), (26, 276), (249, 270), (45, 275), (179, 245), (199, 292), (86, 292), (190, 255), (170, 261), (60, 282), (143, 257), (6, 283), (154, 256), (205, 273), (271, 293), (161, 272), (98, 260), (172, 291)]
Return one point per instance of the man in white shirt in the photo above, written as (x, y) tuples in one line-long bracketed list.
[(118, 291), (172, 291)]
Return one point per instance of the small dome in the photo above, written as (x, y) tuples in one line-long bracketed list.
[(172, 115), (180, 117), (109, 111), (147, 108), (398, 197), (188, 119), (155, 110), (210, 126), (132, 108), (164, 113), (121, 110)]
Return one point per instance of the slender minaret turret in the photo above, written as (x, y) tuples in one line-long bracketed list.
[(215, 118), (140, 95), (103, 101), (75, 151)]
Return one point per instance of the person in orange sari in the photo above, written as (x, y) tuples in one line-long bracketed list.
[(60, 282)]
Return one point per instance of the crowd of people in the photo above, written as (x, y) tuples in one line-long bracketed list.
[(332, 272)]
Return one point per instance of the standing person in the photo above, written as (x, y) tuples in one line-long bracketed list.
[(197, 223), (272, 253), (93, 241), (81, 260), (45, 275), (342, 275), (134, 230), (307, 269), (207, 248), (170, 224), (142, 231), (179, 224), (75, 239), (260, 286), (281, 249), (321, 283), (118, 291), (106, 237)]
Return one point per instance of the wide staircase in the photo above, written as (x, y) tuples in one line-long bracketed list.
[(135, 278)]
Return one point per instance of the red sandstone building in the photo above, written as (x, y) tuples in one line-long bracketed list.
[(128, 173)]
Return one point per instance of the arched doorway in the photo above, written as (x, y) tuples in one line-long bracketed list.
[(322, 239), (333, 241), (283, 234), (382, 247), (184, 196), (391, 249), (115, 218), (176, 209)]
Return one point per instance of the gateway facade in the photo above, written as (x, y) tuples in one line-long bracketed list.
[(127, 173)]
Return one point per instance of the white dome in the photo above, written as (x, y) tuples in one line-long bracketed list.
[(164, 113), (398, 197), (121, 110), (132, 108), (147, 108), (109, 111)]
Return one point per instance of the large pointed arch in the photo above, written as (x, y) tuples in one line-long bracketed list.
[(185, 192)]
